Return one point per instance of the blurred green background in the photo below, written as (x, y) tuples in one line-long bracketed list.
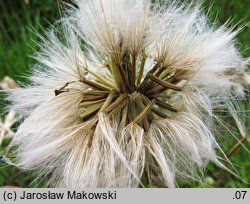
[(19, 19)]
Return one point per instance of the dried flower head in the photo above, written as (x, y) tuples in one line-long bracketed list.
[(7, 83), (6, 125), (125, 90)]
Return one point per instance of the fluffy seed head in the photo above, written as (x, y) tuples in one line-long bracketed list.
[(124, 91)]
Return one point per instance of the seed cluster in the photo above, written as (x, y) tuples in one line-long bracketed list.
[(129, 95)]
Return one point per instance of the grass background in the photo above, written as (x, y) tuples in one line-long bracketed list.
[(18, 42)]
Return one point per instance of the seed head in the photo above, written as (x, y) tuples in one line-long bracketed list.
[(123, 95)]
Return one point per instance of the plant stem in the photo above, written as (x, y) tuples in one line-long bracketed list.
[(236, 146)]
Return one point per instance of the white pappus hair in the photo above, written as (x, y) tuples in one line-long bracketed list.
[(123, 95)]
